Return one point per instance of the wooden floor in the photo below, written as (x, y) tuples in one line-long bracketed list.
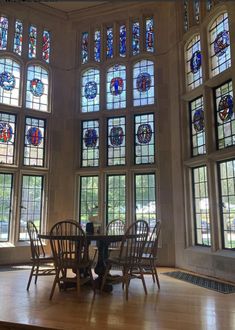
[(178, 305)]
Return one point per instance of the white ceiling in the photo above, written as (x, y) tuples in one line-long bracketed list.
[(69, 6)]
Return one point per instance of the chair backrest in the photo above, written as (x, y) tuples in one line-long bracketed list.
[(115, 227), (36, 245), (152, 244), (133, 242)]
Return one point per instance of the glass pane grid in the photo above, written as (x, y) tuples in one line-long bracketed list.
[(9, 82), (116, 198), (197, 127), (193, 63), (90, 143), (117, 141), (18, 37), (7, 138), (116, 87), (143, 83), (5, 205), (135, 38), (3, 32), (90, 100)]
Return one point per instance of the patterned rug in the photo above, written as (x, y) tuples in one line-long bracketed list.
[(203, 282)]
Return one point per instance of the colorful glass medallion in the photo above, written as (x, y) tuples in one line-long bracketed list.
[(36, 87), (143, 82), (144, 133), (116, 136), (226, 108), (34, 136), (90, 90), (196, 61), (6, 132), (116, 86), (90, 138), (7, 81), (221, 43), (198, 120)]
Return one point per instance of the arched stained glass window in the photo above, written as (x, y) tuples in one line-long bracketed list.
[(34, 144), (90, 90), (109, 42), (32, 41), (122, 40), (197, 127), (149, 35), (90, 144), (193, 63), (220, 55), (225, 117), (117, 141), (84, 46), (135, 38), (46, 45), (7, 137), (9, 82), (144, 139), (97, 45), (3, 32), (18, 37), (143, 83), (37, 88), (116, 87)]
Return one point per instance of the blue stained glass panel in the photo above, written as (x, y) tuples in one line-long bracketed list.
[(196, 7), (84, 46), (36, 87), (149, 35), (97, 45), (135, 38), (18, 37), (3, 32), (7, 138), (90, 100), (116, 87), (198, 144), (32, 41), (116, 141), (9, 82), (193, 59), (46, 46), (143, 83), (122, 40), (90, 145), (34, 136), (221, 43), (109, 42)]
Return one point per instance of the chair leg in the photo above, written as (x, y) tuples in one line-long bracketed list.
[(157, 278), (152, 271), (36, 274), (30, 276), (78, 282), (143, 280), (56, 280), (126, 280), (105, 277)]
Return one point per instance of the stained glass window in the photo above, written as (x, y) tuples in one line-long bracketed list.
[(145, 198), (201, 206), (18, 37), (117, 141), (144, 139), (186, 23), (46, 46), (149, 35), (143, 83), (209, 5), (5, 205), (225, 117), (32, 41), (9, 82), (84, 46), (90, 90), (122, 40), (97, 45), (227, 202), (197, 127), (89, 197), (37, 88), (90, 143), (34, 142), (135, 38), (220, 45), (31, 203), (116, 87), (3, 32), (196, 8), (109, 42), (194, 63), (7, 138), (116, 197)]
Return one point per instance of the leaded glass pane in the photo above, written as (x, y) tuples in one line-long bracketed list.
[(37, 88), (84, 46), (46, 46), (3, 32), (90, 90), (149, 36), (7, 138), (5, 205), (201, 206), (32, 41), (97, 45), (225, 117), (144, 139), (116, 141), (90, 143), (135, 38), (109, 42), (196, 8), (186, 23), (197, 127), (227, 202), (9, 82), (116, 87), (145, 199), (34, 142), (122, 40), (143, 83), (116, 197), (193, 63), (209, 5), (18, 37), (220, 54), (31, 203), (89, 197)]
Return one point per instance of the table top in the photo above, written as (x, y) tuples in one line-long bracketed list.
[(92, 237)]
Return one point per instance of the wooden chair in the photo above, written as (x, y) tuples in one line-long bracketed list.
[(129, 258), (71, 257), (41, 261)]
